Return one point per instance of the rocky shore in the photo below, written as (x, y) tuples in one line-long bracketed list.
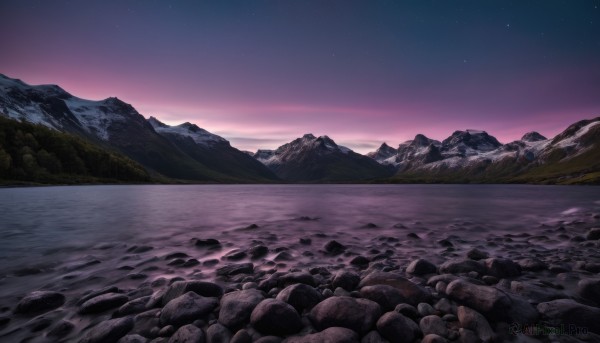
[(265, 284)]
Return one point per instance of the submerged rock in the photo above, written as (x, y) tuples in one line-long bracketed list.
[(234, 269), (334, 247), (103, 303), (40, 301)]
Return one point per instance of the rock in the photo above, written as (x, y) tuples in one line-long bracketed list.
[(532, 264), (408, 311), (217, 333), (468, 336), (502, 268), (329, 335), (269, 339), (413, 293), (258, 251), (473, 320), (433, 338), (39, 302), (356, 314), (188, 334), (274, 317), (570, 312), (397, 328), (445, 306), (300, 296), (535, 293), (108, 331), (421, 267), (103, 302), (166, 331), (237, 306), (179, 288), (209, 243), (346, 279), (433, 324), (186, 309), (334, 247), (372, 337), (386, 296), (241, 336), (234, 269), (133, 339), (235, 255), (589, 289), (593, 234), (294, 278), (490, 280), (492, 302), (476, 254), (305, 241), (133, 307), (61, 329), (462, 266), (425, 309), (360, 261)]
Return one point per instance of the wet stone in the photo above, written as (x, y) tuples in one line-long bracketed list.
[(329, 335), (188, 334), (103, 303), (356, 314), (421, 267), (393, 325), (300, 296), (334, 247), (476, 254), (274, 317), (39, 302), (108, 331), (187, 308), (236, 307), (234, 269), (346, 279)]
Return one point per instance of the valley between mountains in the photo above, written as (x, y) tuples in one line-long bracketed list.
[(146, 150)]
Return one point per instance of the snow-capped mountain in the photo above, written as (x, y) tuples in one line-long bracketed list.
[(212, 150), (115, 124), (383, 153), (311, 158), (474, 155)]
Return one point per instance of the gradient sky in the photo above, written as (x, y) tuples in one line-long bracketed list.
[(261, 73)]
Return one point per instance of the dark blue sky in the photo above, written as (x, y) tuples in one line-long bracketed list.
[(261, 73)]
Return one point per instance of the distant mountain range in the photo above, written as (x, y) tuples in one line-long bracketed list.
[(187, 153)]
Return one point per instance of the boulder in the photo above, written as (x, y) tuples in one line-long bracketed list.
[(421, 267), (188, 334), (329, 335), (433, 324), (39, 302), (203, 288), (397, 328), (386, 296), (408, 289), (103, 302), (236, 307), (217, 333), (108, 331), (186, 309), (300, 296), (589, 289), (474, 321), (570, 312), (274, 317), (356, 314), (502, 267), (346, 279)]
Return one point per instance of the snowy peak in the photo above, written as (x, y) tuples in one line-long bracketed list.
[(469, 142), (383, 152), (187, 130), (533, 136), (580, 131), (421, 141)]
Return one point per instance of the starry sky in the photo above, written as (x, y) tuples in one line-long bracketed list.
[(261, 73)]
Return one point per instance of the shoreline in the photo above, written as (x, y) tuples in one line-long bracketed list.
[(322, 285)]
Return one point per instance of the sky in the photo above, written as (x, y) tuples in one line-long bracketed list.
[(261, 73)]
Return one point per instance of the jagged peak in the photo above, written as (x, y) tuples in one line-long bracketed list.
[(309, 136), (156, 123), (533, 136)]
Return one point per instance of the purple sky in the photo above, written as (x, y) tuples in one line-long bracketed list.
[(261, 73)]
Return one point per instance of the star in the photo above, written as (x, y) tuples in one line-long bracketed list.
[(508, 26)]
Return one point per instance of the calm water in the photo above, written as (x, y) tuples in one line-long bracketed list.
[(34, 221)]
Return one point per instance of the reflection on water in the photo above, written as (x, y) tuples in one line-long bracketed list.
[(35, 220)]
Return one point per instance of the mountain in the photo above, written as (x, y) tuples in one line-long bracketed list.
[(320, 159), (474, 156), (114, 124), (212, 150)]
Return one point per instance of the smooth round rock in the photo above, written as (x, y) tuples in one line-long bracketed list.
[(300, 296), (186, 309), (236, 307), (188, 334), (346, 279), (275, 317), (433, 325), (108, 331), (40, 301), (329, 335), (103, 303), (421, 267), (356, 314), (397, 328)]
